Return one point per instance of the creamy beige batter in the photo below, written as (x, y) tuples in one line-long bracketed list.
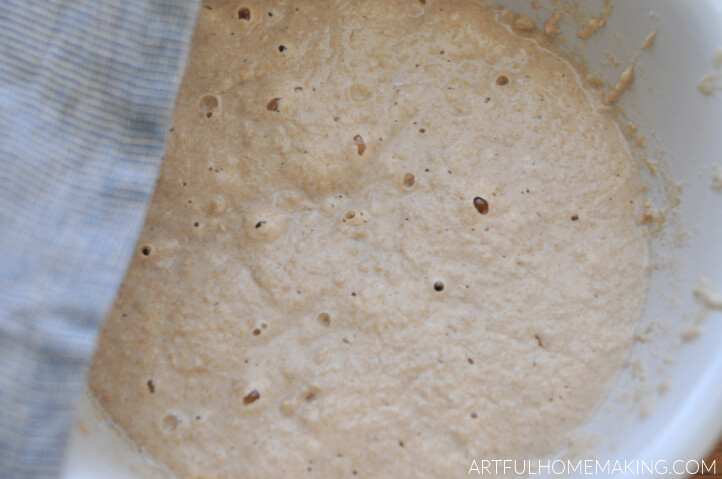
[(389, 237)]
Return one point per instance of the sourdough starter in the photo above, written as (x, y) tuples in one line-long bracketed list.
[(389, 237)]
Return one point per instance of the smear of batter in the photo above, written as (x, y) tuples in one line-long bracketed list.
[(389, 237), (623, 84), (717, 179), (649, 40), (705, 292), (551, 26), (524, 23), (596, 23), (712, 82)]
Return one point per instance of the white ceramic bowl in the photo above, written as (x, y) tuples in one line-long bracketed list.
[(637, 420)]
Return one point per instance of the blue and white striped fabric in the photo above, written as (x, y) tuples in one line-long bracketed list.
[(87, 89)]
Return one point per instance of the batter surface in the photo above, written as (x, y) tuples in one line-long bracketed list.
[(389, 237)]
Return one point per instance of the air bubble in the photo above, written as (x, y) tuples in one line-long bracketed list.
[(170, 422), (209, 104), (273, 104), (360, 145), (359, 92), (312, 393), (481, 205), (244, 14), (324, 319), (251, 397), (409, 180)]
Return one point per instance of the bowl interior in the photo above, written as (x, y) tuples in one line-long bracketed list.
[(667, 404)]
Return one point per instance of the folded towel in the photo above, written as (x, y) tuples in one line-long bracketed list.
[(87, 89)]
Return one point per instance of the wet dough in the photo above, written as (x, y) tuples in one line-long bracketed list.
[(320, 292)]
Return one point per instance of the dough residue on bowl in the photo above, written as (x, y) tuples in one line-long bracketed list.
[(712, 81), (717, 179)]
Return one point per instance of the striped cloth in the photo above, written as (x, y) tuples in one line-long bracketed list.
[(87, 89)]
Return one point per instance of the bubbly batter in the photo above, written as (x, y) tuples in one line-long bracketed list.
[(389, 237)]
